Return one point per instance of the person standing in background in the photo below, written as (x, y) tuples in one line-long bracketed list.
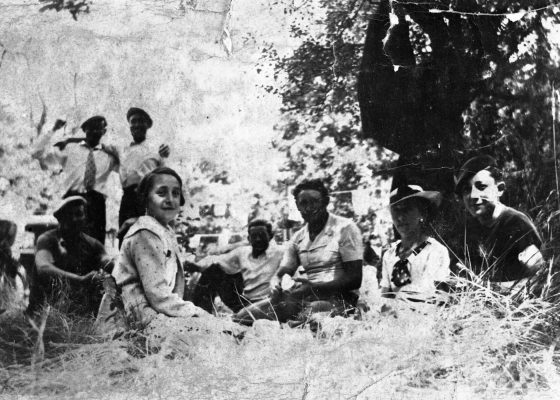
[(86, 165), (136, 161)]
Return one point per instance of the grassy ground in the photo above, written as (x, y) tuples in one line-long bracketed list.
[(482, 346)]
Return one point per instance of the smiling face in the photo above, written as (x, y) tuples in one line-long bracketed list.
[(407, 218), (138, 127), (481, 194), (311, 205), (164, 198)]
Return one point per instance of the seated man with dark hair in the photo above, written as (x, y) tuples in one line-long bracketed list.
[(71, 265), (329, 248), (256, 263), (502, 244)]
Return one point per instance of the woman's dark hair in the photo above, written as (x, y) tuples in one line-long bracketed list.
[(148, 181), (8, 265), (261, 222), (312, 184)]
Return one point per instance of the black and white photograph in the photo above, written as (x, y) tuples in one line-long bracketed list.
[(280, 199)]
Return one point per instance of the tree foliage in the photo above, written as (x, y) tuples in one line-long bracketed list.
[(453, 78), (320, 130)]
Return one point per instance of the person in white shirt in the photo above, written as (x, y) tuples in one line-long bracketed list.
[(414, 265), (86, 165), (136, 161), (257, 264), (329, 248)]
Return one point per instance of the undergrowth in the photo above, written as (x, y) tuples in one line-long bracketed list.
[(481, 344)]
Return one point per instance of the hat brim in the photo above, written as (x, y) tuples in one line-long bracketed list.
[(433, 197), (66, 203)]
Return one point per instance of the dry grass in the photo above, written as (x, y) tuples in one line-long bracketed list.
[(481, 346)]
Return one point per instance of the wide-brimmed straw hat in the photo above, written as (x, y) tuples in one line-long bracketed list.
[(63, 205), (414, 191)]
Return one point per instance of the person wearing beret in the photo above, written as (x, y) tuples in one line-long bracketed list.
[(136, 161), (502, 244), (86, 165), (414, 266), (70, 264)]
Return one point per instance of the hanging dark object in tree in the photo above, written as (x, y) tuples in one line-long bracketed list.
[(412, 103)]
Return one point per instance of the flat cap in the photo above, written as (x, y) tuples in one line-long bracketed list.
[(94, 122), (65, 203), (471, 168), (135, 110)]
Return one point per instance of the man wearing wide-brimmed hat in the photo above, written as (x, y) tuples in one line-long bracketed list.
[(86, 165), (413, 266), (503, 244), (71, 264)]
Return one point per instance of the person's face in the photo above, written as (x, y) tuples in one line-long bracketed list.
[(407, 218), (75, 218), (94, 135), (481, 194), (138, 127), (259, 238), (164, 198), (310, 204)]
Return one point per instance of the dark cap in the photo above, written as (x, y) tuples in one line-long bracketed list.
[(65, 203), (471, 168), (135, 110), (95, 122)]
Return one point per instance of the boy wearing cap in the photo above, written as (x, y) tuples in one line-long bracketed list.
[(86, 166), (69, 262), (502, 244)]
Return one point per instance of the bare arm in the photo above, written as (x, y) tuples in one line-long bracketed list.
[(350, 280), (45, 266)]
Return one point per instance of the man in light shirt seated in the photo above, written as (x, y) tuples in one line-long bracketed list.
[(256, 263), (329, 248)]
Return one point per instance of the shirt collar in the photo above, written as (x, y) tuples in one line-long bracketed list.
[(98, 147)]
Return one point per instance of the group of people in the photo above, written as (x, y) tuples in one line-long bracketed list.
[(145, 287)]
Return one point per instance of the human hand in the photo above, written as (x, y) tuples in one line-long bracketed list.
[(58, 124), (164, 151), (190, 267), (276, 284), (61, 145), (302, 280), (87, 278)]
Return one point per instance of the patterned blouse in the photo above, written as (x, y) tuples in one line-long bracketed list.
[(150, 274)]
